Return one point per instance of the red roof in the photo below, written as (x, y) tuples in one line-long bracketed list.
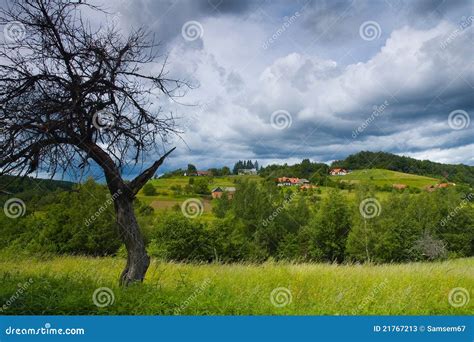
[(288, 180)]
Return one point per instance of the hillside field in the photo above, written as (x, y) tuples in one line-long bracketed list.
[(166, 198), (382, 177), (65, 285)]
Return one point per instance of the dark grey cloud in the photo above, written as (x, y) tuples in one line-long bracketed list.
[(320, 70)]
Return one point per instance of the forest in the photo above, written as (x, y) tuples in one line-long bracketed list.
[(260, 223)]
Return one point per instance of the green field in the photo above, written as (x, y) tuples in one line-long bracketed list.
[(65, 285), (386, 177), (166, 198)]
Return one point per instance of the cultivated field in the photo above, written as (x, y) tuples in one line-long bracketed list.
[(65, 285)]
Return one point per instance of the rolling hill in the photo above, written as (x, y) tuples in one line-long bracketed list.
[(381, 160), (383, 177)]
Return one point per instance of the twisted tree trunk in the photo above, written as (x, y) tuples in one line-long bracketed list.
[(123, 195), (129, 230)]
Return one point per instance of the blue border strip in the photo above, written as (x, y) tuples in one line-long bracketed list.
[(239, 328)]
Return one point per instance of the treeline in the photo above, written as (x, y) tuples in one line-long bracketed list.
[(244, 165), (192, 170), (382, 160), (317, 173), (30, 187), (262, 222)]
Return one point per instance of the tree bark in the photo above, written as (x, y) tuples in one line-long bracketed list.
[(129, 230), (123, 195)]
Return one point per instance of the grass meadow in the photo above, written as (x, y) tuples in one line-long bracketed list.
[(382, 177), (66, 285)]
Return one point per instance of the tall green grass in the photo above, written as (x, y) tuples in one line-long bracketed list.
[(65, 285)]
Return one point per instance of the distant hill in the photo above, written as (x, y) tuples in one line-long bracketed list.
[(381, 160), (29, 186)]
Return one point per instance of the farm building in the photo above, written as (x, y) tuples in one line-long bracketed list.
[(243, 172), (288, 181), (198, 173), (338, 172), (219, 191)]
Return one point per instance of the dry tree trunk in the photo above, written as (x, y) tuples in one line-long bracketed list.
[(129, 230)]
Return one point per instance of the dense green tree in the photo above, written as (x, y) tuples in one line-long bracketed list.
[(225, 171), (181, 239), (201, 186), (149, 190), (191, 169), (221, 205), (332, 225), (79, 222)]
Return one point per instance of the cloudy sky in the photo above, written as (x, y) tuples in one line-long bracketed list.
[(279, 81)]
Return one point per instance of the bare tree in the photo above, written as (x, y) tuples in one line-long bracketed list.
[(72, 96)]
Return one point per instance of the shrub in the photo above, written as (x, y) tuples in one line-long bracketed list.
[(149, 190)]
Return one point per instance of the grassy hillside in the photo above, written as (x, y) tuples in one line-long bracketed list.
[(459, 173), (65, 285), (386, 177), (166, 198)]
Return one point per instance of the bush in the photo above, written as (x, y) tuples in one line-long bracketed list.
[(149, 190), (181, 239)]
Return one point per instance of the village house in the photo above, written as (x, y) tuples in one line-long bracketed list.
[(289, 181), (198, 173), (243, 172), (219, 191), (203, 173), (338, 172)]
